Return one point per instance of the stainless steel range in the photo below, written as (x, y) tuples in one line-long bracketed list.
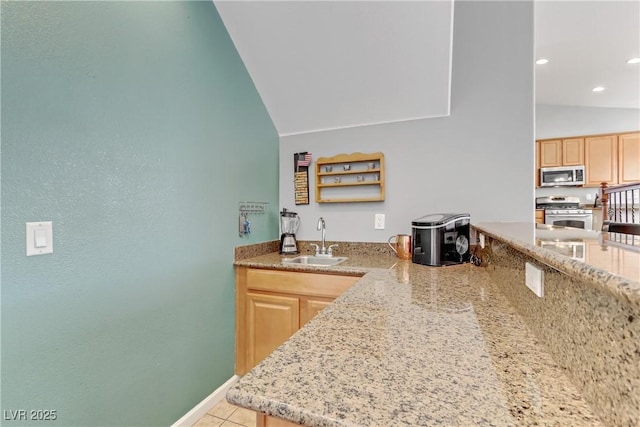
[(565, 211)]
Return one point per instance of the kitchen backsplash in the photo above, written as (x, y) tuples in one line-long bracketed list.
[(587, 195)]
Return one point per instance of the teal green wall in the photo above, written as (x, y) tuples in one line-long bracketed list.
[(135, 128)]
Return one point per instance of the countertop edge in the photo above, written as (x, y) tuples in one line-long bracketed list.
[(342, 271), (264, 405), (625, 289)]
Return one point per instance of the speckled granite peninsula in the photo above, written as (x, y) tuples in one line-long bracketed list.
[(411, 345), (589, 316)]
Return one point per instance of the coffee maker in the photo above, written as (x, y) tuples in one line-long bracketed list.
[(289, 223)]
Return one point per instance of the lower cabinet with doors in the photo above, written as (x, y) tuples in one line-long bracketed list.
[(271, 305), (263, 420)]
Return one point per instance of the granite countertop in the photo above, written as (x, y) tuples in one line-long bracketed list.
[(355, 264), (606, 261), (411, 345)]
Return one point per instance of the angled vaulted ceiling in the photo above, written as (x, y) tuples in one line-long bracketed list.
[(328, 64)]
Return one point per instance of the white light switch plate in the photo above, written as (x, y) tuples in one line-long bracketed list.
[(534, 279), (39, 238), (379, 222)]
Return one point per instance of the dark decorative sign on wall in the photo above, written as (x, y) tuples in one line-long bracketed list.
[(301, 162)]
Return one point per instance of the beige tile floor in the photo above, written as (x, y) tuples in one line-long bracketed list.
[(226, 415)]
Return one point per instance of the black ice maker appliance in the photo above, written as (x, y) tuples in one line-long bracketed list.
[(440, 239)]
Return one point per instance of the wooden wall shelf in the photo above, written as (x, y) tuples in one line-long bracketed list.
[(349, 178)]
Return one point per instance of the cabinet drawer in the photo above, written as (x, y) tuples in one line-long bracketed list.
[(324, 285)]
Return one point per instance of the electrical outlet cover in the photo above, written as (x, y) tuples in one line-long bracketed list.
[(534, 279)]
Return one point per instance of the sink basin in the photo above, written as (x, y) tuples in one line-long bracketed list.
[(314, 260)]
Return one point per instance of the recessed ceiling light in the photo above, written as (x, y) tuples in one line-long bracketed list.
[(633, 61), (597, 89), (542, 61)]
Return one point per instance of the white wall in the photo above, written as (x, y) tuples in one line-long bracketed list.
[(554, 121), (559, 121), (478, 160)]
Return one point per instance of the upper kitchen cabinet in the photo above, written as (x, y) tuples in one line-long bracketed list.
[(537, 169), (628, 158), (601, 158), (550, 153), (561, 152), (612, 158), (573, 152)]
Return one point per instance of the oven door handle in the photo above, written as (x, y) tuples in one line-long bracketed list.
[(568, 215)]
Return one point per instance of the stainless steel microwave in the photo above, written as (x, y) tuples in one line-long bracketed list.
[(562, 176)]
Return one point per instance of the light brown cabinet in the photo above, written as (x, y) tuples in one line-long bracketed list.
[(311, 307), (611, 158), (573, 152), (271, 319), (550, 153), (628, 158), (558, 152), (540, 216), (271, 305), (537, 168), (601, 159), (263, 420), (561, 152)]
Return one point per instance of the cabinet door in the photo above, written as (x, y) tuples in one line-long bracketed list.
[(601, 159), (573, 152), (628, 158), (263, 420), (271, 320), (309, 308), (550, 153), (537, 169), (539, 216), (270, 305)]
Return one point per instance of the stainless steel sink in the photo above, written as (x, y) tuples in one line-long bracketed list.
[(314, 260)]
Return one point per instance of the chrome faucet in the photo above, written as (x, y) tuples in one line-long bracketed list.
[(323, 251), (322, 227)]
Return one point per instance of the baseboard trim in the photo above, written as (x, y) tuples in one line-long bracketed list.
[(198, 411)]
